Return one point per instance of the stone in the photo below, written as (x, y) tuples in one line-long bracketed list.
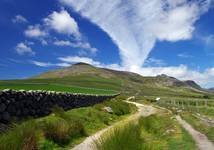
[(6, 117), (2, 107), (108, 109)]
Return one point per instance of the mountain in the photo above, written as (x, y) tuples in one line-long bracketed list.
[(82, 74), (211, 89)]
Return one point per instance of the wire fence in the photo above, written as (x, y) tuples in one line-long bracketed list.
[(205, 106)]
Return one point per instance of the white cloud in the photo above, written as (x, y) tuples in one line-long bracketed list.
[(77, 59), (63, 43), (63, 23), (136, 25), (41, 64), (48, 64), (154, 62), (19, 19), (184, 55), (44, 42), (209, 41), (23, 48), (76, 44), (182, 72), (34, 32)]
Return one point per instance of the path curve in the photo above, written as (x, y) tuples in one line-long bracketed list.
[(88, 143), (201, 140)]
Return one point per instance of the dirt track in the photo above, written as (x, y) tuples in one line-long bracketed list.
[(143, 110), (201, 140)]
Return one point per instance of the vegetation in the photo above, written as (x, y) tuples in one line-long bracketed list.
[(28, 85), (197, 112), (155, 132), (201, 125), (85, 78), (62, 130), (20, 137), (126, 137), (194, 105)]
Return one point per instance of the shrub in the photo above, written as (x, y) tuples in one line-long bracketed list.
[(59, 111), (20, 137), (120, 107)]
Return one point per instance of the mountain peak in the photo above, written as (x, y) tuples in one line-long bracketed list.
[(81, 63)]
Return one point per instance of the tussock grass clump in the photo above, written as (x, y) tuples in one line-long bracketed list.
[(75, 125), (57, 130), (62, 127), (126, 137), (156, 125), (20, 137)]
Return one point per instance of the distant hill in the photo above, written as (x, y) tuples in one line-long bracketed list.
[(211, 89), (83, 74)]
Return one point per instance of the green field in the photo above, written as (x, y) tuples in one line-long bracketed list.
[(54, 87)]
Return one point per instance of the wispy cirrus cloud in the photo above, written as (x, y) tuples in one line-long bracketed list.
[(76, 44), (184, 55), (136, 25), (154, 62), (49, 64), (77, 59)]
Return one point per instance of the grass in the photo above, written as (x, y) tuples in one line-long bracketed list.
[(20, 137), (191, 109), (155, 132), (126, 137), (62, 130), (54, 87), (199, 125), (193, 105)]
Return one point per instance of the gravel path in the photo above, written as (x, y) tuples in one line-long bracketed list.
[(201, 140), (143, 110)]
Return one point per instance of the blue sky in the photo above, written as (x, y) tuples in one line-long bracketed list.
[(175, 37)]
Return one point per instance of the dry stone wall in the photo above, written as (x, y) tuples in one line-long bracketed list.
[(23, 104)]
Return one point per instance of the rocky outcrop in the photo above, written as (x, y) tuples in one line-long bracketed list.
[(23, 104)]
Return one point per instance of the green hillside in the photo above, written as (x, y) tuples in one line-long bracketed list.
[(84, 78)]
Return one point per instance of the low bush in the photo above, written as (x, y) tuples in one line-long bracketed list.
[(120, 107)]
